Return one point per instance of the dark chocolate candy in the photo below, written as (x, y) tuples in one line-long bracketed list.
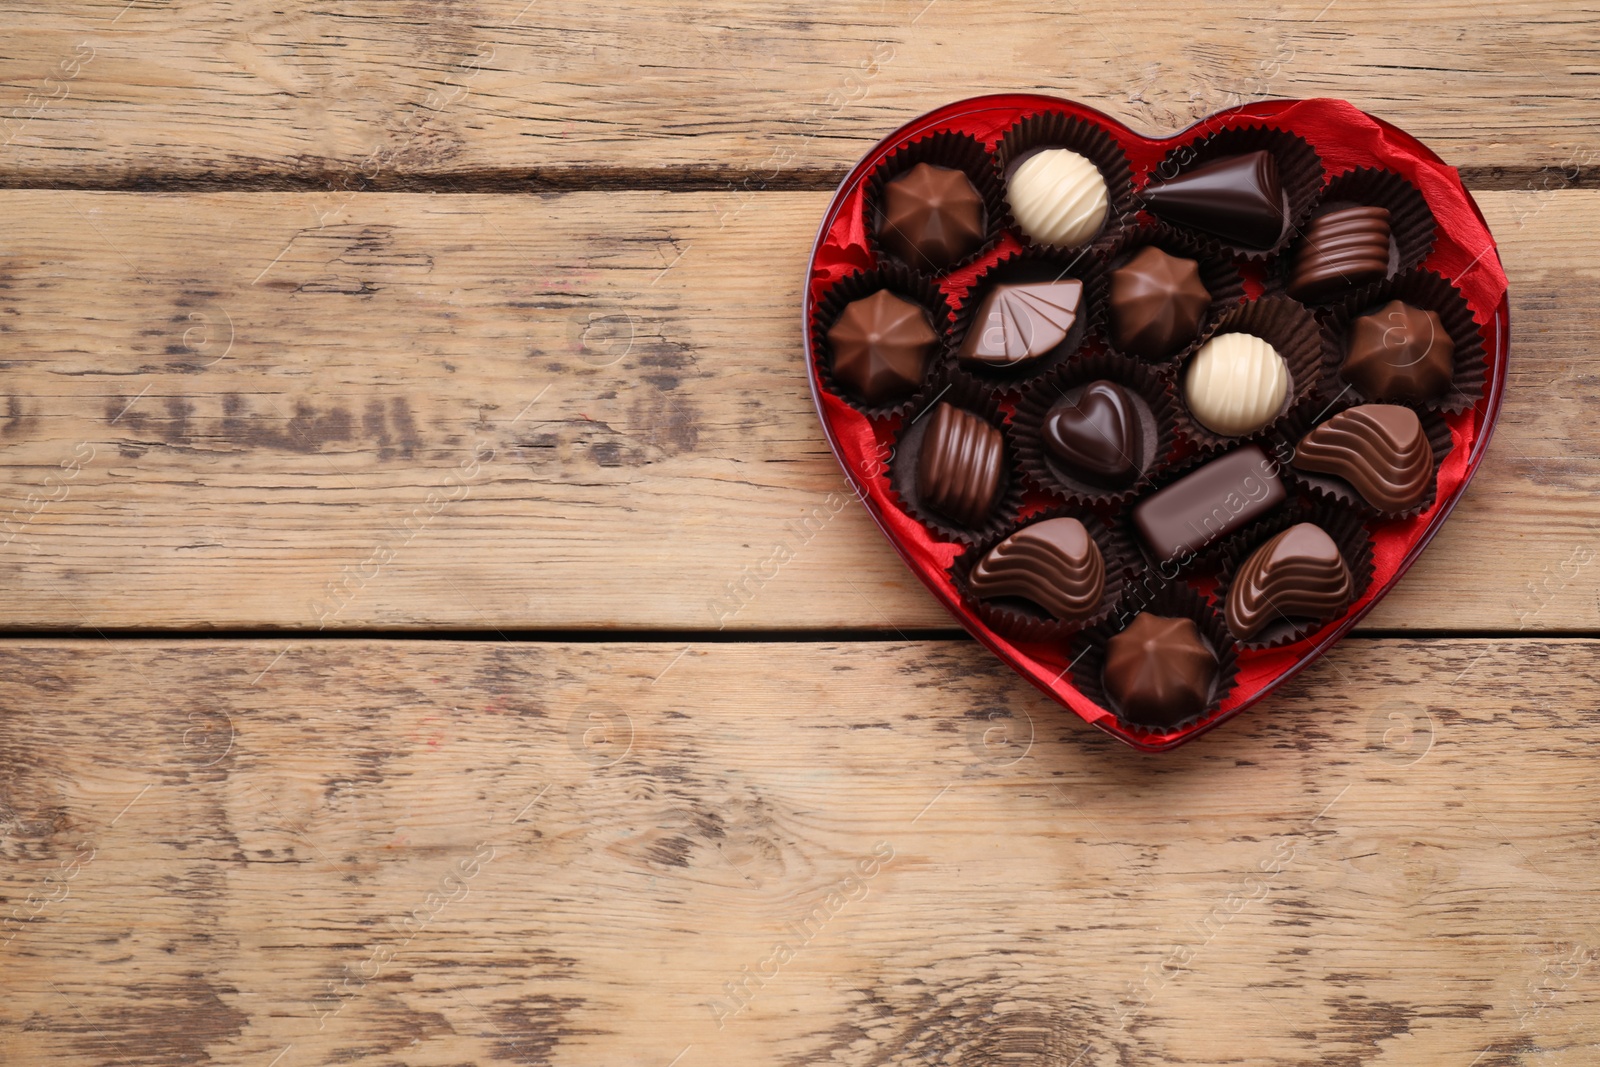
[(1098, 435), (881, 344), (1238, 198), (1208, 503), (1399, 353), (1299, 574), (1019, 323), (932, 217), (1342, 250), (1158, 671), (960, 469), (1157, 303), (1380, 449), (1054, 564)]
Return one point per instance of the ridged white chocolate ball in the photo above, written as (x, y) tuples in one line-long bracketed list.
[(1235, 384), (1058, 198)]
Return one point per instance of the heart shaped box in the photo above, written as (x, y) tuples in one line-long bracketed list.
[(1346, 139)]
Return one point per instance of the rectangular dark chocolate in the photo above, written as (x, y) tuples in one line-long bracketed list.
[(1209, 503)]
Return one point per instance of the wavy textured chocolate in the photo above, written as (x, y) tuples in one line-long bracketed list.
[(960, 468), (1380, 449), (1299, 574), (1054, 564), (1342, 250)]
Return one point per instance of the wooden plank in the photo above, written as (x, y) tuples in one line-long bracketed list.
[(584, 410), (440, 853), (106, 91)]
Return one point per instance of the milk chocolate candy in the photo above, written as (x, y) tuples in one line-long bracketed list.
[(1054, 564), (1159, 671), (1019, 323), (1237, 198), (1157, 304), (1209, 503), (932, 217), (1381, 450), (961, 468), (1342, 250), (1399, 353), (881, 344), (1299, 574)]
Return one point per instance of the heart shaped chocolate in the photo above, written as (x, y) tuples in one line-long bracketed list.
[(1307, 229), (1096, 435)]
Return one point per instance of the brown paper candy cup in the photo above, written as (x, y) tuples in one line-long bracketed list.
[(1293, 331), (1411, 223), (1055, 129), (1299, 173), (1022, 620), (1217, 273), (908, 451), (1151, 389), (1326, 489), (903, 282), (943, 148), (1033, 264), (1347, 531), (1173, 601), (1426, 291)]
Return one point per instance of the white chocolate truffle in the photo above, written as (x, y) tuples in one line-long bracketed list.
[(1235, 384), (1058, 198)]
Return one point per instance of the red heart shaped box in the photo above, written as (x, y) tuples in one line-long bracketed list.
[(1464, 252)]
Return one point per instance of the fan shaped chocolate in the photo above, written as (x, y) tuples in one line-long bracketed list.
[(1159, 671), (1238, 198), (1399, 353), (1379, 449), (881, 344), (961, 467), (1098, 435), (1342, 250), (1054, 564), (1157, 303), (932, 217), (1019, 323), (1299, 574)]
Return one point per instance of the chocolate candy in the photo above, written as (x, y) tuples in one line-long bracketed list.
[(1235, 384), (1098, 435), (1019, 323), (1157, 303), (1238, 198), (1054, 564), (932, 217), (1399, 353), (1300, 573), (881, 344), (1342, 250), (960, 468), (1380, 449), (1058, 197), (1208, 503), (1158, 671)]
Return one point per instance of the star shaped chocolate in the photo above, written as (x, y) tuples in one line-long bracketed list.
[(881, 344), (932, 217), (1157, 303)]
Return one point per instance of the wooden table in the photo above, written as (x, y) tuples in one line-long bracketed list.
[(394, 394)]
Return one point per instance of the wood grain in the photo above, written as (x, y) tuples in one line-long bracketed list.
[(368, 94), (580, 410), (442, 853)]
